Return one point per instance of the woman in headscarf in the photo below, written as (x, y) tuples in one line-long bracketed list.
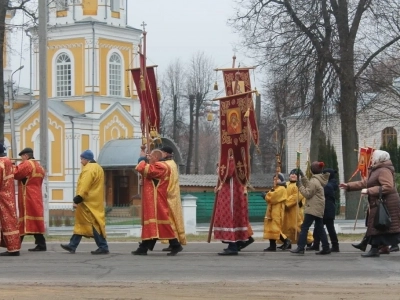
[(381, 174)]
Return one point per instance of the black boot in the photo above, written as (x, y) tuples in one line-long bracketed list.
[(363, 245), (287, 244), (272, 246), (373, 252), (335, 247)]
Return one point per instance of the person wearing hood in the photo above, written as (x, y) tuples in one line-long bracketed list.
[(313, 191), (294, 210), (274, 215), (380, 177), (90, 220), (330, 212)]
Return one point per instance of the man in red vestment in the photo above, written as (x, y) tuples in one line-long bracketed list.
[(8, 211), (231, 215), (156, 223), (30, 175)]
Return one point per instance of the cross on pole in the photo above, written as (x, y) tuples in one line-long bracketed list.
[(144, 25)]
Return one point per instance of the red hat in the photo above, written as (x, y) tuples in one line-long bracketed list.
[(317, 167)]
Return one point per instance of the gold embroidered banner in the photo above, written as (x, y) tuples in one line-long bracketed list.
[(234, 136), (236, 81)]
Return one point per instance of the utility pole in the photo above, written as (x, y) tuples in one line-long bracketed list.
[(44, 134)]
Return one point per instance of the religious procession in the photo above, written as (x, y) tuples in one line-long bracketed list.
[(305, 198)]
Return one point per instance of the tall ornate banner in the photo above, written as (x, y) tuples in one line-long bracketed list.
[(236, 81), (234, 136)]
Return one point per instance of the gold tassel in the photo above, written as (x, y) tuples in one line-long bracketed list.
[(158, 94), (209, 117), (152, 146), (257, 93), (216, 86), (142, 84), (144, 140), (153, 133), (247, 113)]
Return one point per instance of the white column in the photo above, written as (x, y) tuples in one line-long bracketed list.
[(189, 207)]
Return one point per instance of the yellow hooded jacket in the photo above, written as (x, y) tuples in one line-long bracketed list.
[(90, 213)]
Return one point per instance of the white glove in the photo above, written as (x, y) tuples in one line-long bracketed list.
[(364, 191)]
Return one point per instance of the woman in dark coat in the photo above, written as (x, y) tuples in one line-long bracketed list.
[(330, 212), (381, 174)]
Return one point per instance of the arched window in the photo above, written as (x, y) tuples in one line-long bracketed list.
[(389, 135), (64, 75), (114, 75)]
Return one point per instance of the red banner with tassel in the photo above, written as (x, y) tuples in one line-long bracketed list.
[(147, 93)]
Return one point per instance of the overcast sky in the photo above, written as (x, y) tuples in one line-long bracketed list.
[(176, 29)]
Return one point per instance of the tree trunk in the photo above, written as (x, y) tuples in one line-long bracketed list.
[(175, 125), (196, 139), (3, 12), (316, 109), (190, 150)]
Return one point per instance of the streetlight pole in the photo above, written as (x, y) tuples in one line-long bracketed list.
[(12, 122), (43, 104)]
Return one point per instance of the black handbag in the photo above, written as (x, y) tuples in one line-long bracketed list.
[(382, 218)]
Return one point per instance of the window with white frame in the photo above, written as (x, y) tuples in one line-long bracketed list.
[(115, 5), (61, 5), (64, 75), (389, 136), (114, 75)]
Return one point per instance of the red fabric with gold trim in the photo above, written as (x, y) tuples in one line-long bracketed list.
[(156, 222), (148, 99), (231, 221), (243, 78), (234, 136), (9, 235), (30, 175)]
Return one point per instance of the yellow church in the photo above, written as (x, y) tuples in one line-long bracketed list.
[(92, 100)]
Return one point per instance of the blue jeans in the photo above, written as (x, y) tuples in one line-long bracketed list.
[(98, 238), (318, 230)]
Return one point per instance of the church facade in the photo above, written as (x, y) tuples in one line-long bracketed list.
[(91, 96)]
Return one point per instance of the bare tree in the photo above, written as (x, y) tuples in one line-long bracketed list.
[(172, 86), (11, 7), (348, 18), (199, 83)]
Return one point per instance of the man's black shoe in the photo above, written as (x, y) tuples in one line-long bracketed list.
[(16, 253), (68, 248), (361, 246), (38, 248), (270, 249), (228, 252), (167, 249), (140, 251), (175, 251), (100, 251), (323, 252), (243, 245), (297, 251)]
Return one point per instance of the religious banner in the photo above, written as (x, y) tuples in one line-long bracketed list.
[(234, 136), (146, 86), (364, 161), (236, 81)]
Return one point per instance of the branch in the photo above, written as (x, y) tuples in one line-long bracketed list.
[(375, 54)]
